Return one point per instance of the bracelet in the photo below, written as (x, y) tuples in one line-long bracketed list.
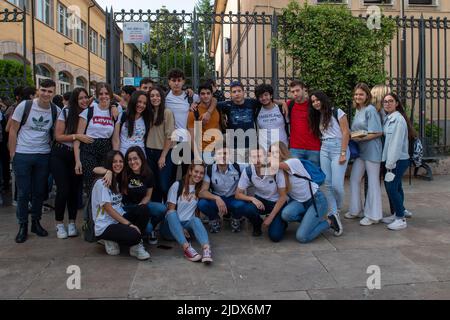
[(73, 137)]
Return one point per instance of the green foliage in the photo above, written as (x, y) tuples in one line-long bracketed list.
[(432, 131), (333, 50), (11, 75)]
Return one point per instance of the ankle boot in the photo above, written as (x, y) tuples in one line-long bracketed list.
[(37, 228), (23, 233)]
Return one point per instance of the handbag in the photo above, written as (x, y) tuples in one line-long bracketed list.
[(354, 149)]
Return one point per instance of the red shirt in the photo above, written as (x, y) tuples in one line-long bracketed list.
[(301, 135)]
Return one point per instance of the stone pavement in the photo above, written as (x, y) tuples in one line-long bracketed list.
[(414, 263)]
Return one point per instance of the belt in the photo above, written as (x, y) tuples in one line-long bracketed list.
[(62, 146)]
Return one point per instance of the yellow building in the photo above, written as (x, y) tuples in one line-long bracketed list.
[(70, 50)]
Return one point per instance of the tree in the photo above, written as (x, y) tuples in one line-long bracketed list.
[(11, 76), (333, 50)]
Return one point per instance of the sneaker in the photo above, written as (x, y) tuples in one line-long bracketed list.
[(61, 232), (367, 221), (152, 238), (214, 226), (14, 203), (336, 224), (257, 232), (191, 254), (389, 219), (72, 230), (408, 214), (112, 248), (139, 252), (349, 215), (235, 225), (46, 208), (207, 258), (101, 242), (398, 224)]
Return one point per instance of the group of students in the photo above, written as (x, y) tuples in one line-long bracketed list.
[(130, 141)]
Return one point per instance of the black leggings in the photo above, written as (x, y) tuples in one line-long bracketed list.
[(125, 235), (62, 164)]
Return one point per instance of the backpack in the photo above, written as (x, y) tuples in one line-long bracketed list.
[(89, 224), (26, 114), (416, 152), (286, 123), (209, 172)]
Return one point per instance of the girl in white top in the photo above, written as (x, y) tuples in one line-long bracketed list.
[(271, 121), (307, 204), (112, 224), (62, 162), (331, 126), (181, 215), (100, 128), (132, 128)]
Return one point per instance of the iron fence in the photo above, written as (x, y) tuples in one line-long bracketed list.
[(238, 46)]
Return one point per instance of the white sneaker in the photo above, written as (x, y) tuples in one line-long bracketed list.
[(139, 252), (112, 248), (389, 219), (408, 214), (350, 215), (367, 222), (398, 224), (61, 232), (72, 230)]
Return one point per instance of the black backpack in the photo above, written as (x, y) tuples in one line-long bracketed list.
[(89, 224), (26, 114)]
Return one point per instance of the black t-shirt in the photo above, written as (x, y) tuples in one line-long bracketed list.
[(137, 188)]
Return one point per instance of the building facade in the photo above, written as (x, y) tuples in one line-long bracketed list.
[(70, 42)]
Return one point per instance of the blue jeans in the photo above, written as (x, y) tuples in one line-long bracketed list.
[(313, 156), (31, 172), (238, 210), (194, 225), (277, 227), (335, 173), (163, 177), (312, 224), (394, 188), (157, 212)]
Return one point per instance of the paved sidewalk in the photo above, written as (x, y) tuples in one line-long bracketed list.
[(415, 263)]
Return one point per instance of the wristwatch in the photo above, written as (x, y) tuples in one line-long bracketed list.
[(343, 153)]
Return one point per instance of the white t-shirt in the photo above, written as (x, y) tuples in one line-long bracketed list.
[(299, 188), (34, 136), (185, 207), (266, 187), (179, 106), (334, 129), (136, 140), (100, 196), (272, 120), (61, 117), (101, 125)]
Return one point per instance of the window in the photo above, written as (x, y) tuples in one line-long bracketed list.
[(63, 82), (93, 41), (80, 82), (63, 19), (44, 11), (80, 34), (421, 2), (42, 73), (377, 1), (102, 48)]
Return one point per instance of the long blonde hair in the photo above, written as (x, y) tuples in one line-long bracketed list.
[(285, 154), (378, 93)]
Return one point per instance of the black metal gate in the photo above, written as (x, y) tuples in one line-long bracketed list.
[(230, 46)]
